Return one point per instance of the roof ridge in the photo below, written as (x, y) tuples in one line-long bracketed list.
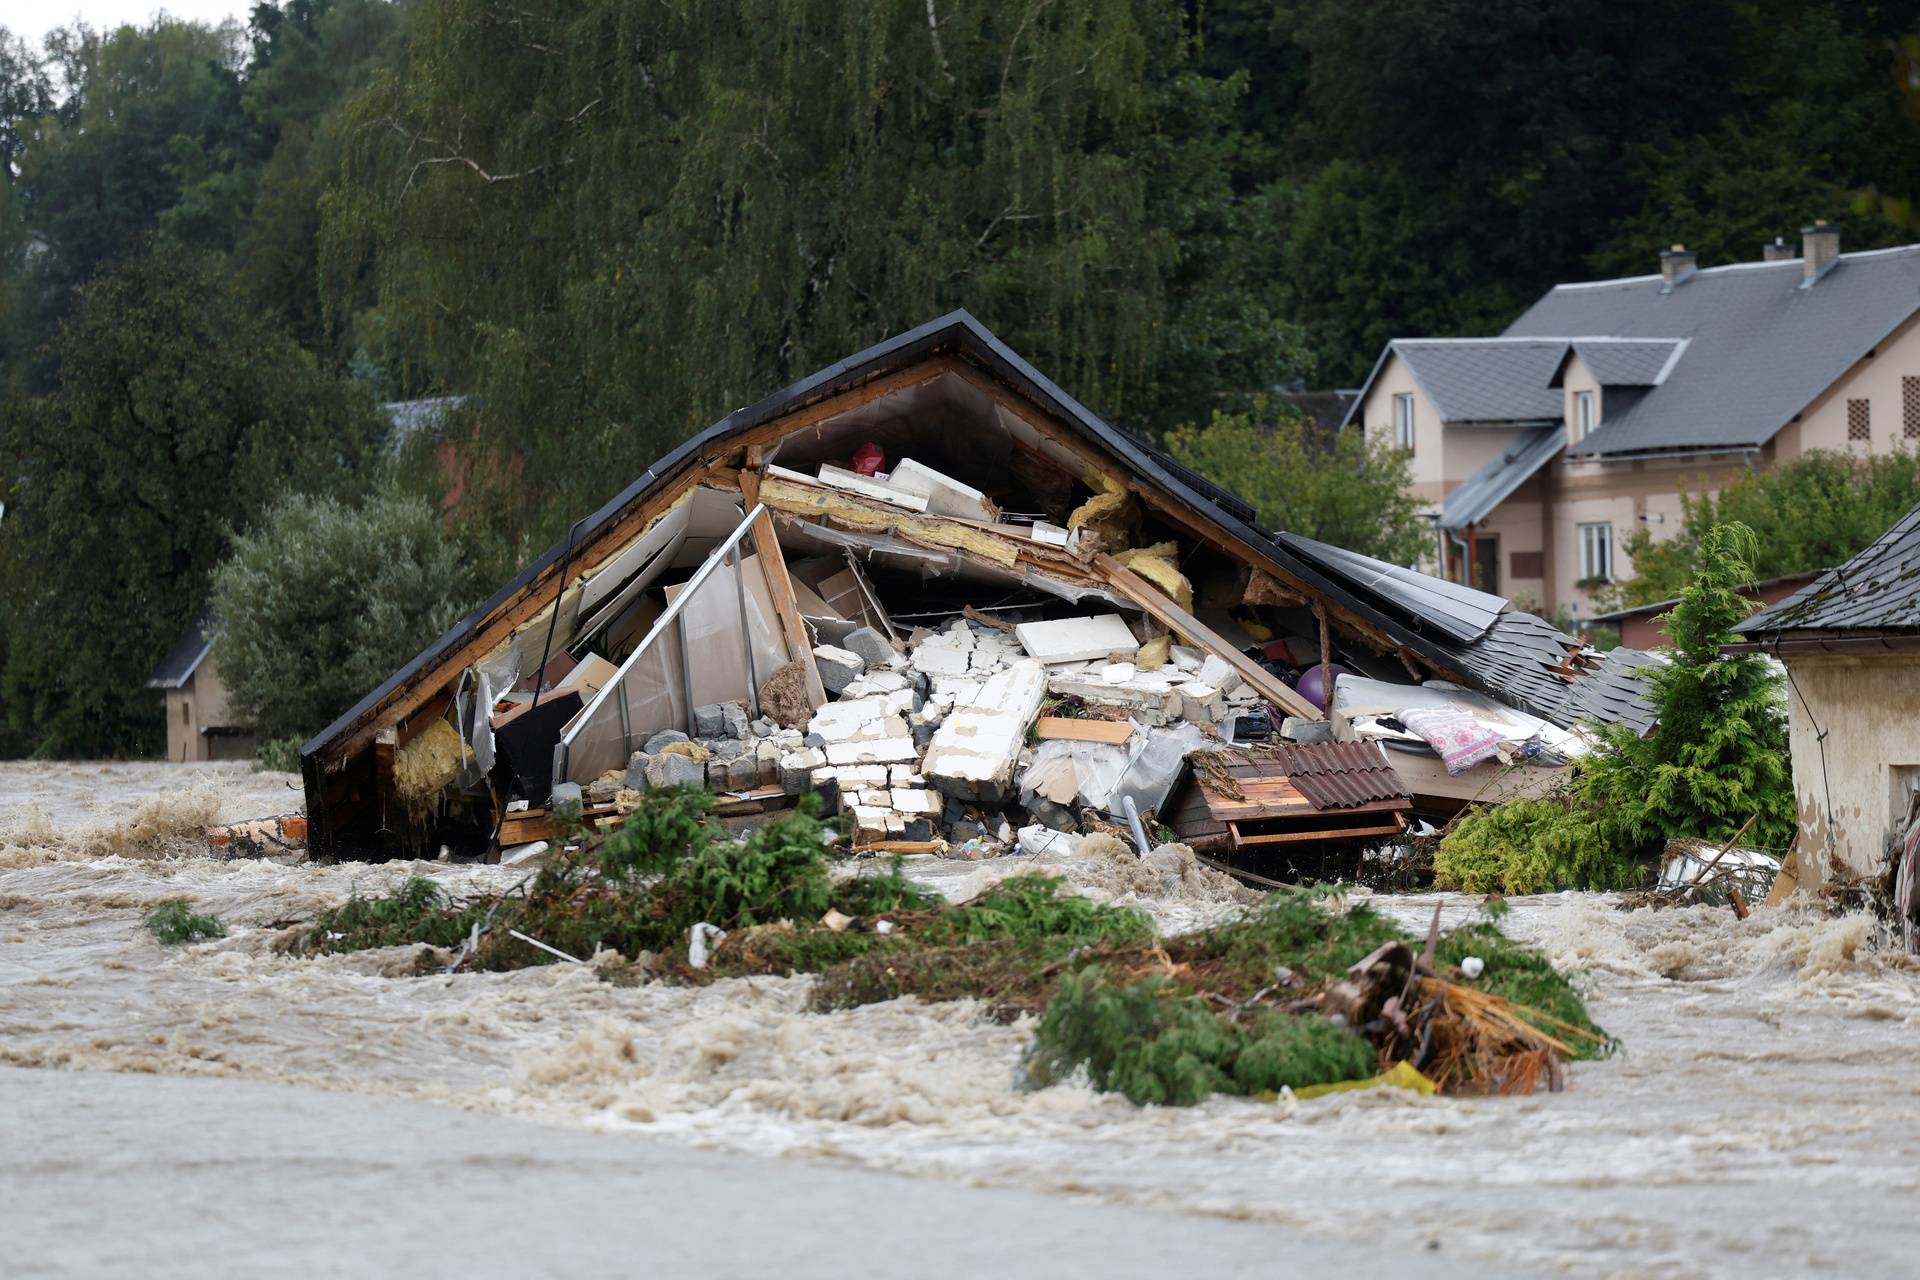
[(1782, 263)]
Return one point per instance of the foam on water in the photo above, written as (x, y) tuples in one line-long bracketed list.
[(1761, 1119)]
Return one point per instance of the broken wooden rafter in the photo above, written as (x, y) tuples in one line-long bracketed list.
[(1154, 601)]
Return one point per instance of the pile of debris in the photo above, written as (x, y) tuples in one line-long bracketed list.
[(934, 590)]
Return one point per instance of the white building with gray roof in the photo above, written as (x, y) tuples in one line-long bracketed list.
[(1541, 450)]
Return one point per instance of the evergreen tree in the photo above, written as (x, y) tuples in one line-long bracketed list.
[(1719, 755)]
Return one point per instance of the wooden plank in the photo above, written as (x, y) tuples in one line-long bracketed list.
[(1239, 874), (1071, 729), (1172, 510), (902, 846), (766, 544), (1302, 837), (1154, 601)]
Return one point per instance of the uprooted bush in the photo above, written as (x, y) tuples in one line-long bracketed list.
[(1235, 1008), (174, 921), (1155, 1046)]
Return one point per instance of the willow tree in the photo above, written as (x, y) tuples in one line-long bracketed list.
[(610, 223)]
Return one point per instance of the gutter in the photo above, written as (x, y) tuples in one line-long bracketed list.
[(1828, 644), (1745, 450)]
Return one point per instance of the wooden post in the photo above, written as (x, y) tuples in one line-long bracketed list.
[(1326, 648), (766, 545)]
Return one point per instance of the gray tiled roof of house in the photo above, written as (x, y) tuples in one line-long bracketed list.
[(1877, 591), (1761, 347), (1628, 362), (1486, 379), (1531, 449), (188, 652)]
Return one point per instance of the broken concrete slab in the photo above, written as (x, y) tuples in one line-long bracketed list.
[(1218, 672), (676, 771), (876, 751), (873, 648), (637, 770), (1076, 639), (838, 667), (974, 750)]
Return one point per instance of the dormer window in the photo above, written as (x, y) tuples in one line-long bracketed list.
[(1403, 420), (1586, 414)]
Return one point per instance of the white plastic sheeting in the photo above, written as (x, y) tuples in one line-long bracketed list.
[(717, 641)]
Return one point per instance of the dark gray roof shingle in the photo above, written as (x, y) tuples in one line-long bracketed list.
[(1878, 590), (1487, 379), (1628, 362), (1760, 347), (188, 652), (1519, 658)]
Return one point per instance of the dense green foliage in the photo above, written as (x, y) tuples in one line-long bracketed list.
[(177, 416), (1718, 758), (608, 224), (173, 921), (1820, 509), (1720, 755), (1337, 487), (323, 600), (1155, 1046)]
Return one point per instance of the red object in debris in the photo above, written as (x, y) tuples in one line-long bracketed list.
[(868, 458), (1277, 651)]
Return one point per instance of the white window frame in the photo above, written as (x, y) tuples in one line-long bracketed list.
[(1403, 421), (1586, 413), (1596, 551)]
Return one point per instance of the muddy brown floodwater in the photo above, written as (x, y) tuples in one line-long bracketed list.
[(1763, 1117)]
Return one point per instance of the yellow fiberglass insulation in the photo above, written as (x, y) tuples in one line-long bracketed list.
[(691, 750), (1109, 513), (429, 762), (1153, 654), (1156, 565)]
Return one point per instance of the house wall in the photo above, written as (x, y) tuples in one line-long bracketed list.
[(1376, 412), (1877, 379), (1852, 788), (1575, 378), (202, 703)]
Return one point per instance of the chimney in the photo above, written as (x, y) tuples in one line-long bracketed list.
[(1778, 251), (1820, 245), (1676, 264)]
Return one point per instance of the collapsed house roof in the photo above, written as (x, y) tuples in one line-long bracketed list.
[(1519, 658), (948, 392)]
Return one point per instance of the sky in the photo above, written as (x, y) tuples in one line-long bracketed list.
[(34, 23)]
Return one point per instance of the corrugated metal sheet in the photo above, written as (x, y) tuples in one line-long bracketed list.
[(1340, 775), (1456, 611)]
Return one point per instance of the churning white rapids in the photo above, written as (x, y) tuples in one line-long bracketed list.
[(1761, 1119)]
